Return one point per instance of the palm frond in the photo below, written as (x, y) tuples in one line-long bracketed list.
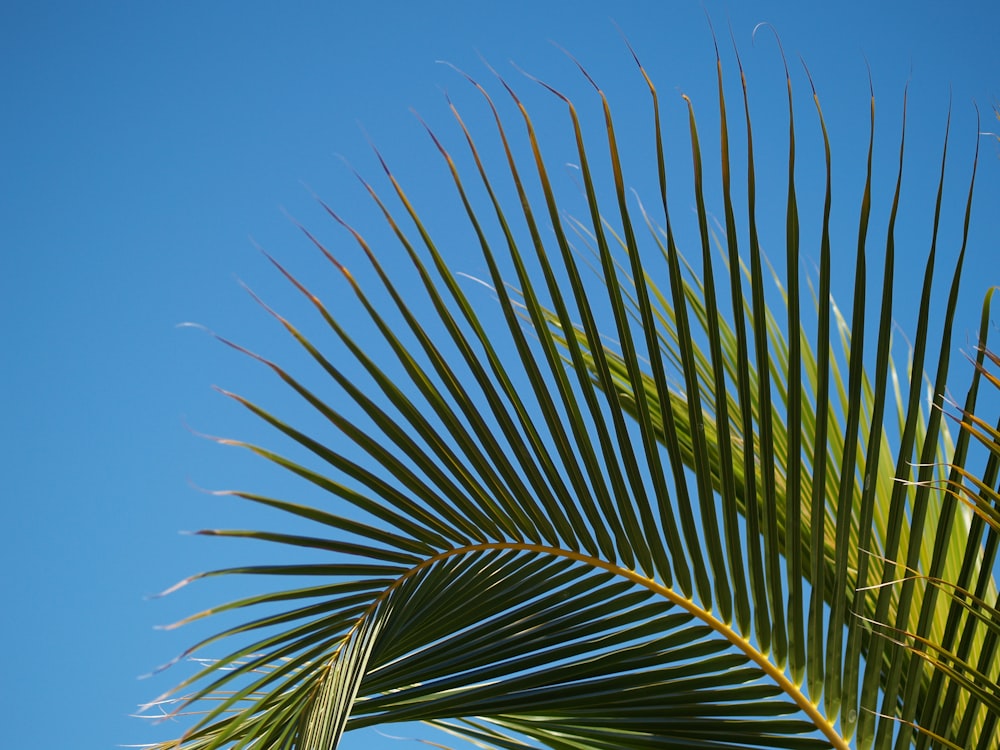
[(608, 515)]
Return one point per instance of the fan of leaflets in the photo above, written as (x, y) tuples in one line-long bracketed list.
[(607, 514)]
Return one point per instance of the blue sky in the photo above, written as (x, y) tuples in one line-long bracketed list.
[(144, 144)]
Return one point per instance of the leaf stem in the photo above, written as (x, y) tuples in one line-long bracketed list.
[(790, 688)]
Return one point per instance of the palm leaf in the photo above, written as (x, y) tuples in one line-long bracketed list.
[(615, 517)]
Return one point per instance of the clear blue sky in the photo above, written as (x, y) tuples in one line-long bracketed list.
[(143, 144)]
